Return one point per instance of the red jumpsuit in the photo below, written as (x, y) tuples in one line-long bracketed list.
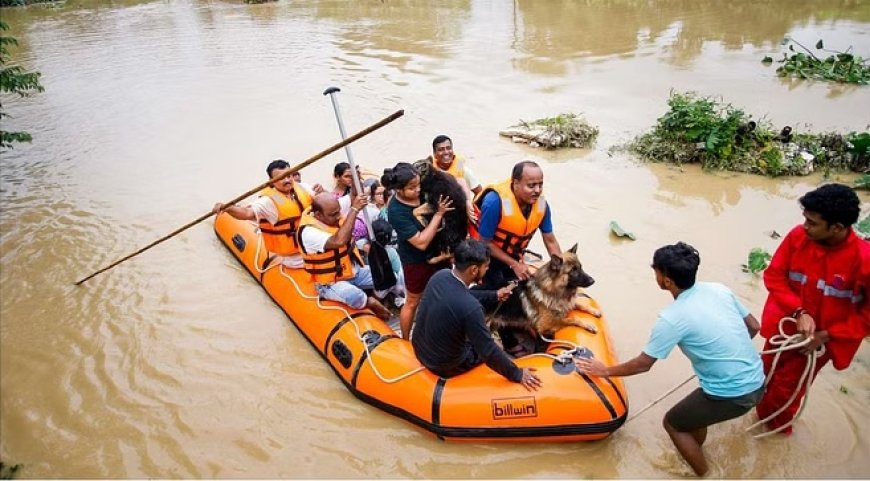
[(831, 283)]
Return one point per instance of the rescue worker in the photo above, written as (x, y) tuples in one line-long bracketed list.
[(819, 275), (510, 213), (277, 210), (454, 164), (714, 330), (330, 256)]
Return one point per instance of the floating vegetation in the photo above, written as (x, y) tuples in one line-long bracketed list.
[(844, 67), (863, 227), (722, 137), (8, 472), (757, 261), (616, 229), (563, 130)]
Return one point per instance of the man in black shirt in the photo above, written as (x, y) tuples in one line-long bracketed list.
[(450, 333)]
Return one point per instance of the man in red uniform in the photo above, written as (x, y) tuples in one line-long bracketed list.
[(819, 275)]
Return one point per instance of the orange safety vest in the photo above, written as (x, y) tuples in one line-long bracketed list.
[(457, 168), (280, 238), (514, 230), (332, 265)]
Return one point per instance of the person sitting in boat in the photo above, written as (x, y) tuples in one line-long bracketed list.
[(277, 210), (343, 179), (450, 333), (330, 256), (454, 164), (510, 213)]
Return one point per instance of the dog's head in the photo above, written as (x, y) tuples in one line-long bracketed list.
[(564, 272)]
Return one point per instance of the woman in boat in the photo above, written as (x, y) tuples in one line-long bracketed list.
[(343, 179), (413, 238)]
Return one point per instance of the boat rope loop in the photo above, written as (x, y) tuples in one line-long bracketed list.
[(784, 342), (334, 308)]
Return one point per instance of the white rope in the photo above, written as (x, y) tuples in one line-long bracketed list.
[(783, 343), (358, 333), (331, 308)]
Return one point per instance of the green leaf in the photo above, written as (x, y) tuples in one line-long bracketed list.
[(620, 232), (863, 227), (844, 389), (767, 60), (758, 260)]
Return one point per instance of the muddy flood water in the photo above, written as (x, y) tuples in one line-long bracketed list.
[(176, 364)]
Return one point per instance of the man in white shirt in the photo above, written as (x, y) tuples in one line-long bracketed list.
[(329, 254)]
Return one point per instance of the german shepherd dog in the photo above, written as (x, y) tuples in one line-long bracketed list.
[(435, 183), (541, 304)]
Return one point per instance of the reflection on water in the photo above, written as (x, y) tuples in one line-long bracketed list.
[(562, 31), (175, 364)]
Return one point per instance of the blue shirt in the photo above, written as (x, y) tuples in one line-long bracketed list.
[(490, 215), (706, 321)]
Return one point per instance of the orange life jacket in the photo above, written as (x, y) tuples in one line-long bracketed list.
[(457, 168), (280, 238), (514, 230), (332, 265)]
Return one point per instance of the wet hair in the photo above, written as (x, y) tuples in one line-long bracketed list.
[(276, 165), (679, 262), (340, 169), (399, 176), (836, 203), (517, 172), (470, 252), (440, 139)]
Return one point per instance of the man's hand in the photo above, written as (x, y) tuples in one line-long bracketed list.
[(317, 188), (217, 208), (359, 202), (472, 215), (818, 339), (806, 325), (505, 292), (521, 270), (444, 205), (530, 380), (590, 366)]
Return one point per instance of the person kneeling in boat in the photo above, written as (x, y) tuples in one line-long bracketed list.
[(330, 256), (450, 333), (277, 211), (714, 330)]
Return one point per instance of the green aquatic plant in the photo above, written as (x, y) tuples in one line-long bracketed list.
[(15, 80), (616, 229), (8, 472), (863, 227), (757, 261), (719, 136), (843, 67), (563, 130)]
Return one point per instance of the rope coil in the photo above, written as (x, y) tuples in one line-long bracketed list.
[(361, 336), (785, 342)]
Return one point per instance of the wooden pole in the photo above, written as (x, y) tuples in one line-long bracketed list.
[(254, 190)]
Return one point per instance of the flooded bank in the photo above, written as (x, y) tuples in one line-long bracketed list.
[(175, 364)]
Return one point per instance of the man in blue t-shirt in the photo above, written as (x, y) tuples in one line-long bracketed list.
[(714, 330)]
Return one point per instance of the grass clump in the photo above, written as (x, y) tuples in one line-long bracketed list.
[(563, 130), (721, 137), (843, 67)]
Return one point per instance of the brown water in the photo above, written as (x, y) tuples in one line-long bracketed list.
[(176, 364)]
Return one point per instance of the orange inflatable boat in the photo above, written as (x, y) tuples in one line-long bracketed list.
[(380, 368)]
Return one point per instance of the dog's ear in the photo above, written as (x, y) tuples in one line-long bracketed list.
[(573, 249), (555, 262)]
